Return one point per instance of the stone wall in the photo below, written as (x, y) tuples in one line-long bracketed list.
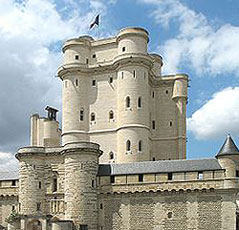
[(165, 211)]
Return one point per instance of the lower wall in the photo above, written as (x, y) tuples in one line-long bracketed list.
[(168, 211)]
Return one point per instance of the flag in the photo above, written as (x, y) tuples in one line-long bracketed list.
[(96, 21)]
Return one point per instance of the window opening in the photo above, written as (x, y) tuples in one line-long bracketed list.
[(111, 155), (81, 114), (13, 182), (128, 145), (112, 179), (39, 185), (141, 177), (111, 80), (153, 94), (94, 82), (170, 176), (140, 145), (54, 185), (38, 206), (166, 91), (170, 123), (127, 102), (111, 115), (200, 175), (153, 124), (123, 49), (153, 158), (77, 83), (87, 61), (93, 183), (76, 57), (134, 73), (92, 117), (94, 56), (139, 102)]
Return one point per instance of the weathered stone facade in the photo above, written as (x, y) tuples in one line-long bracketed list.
[(114, 95)]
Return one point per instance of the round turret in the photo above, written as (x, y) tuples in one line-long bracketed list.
[(180, 88), (132, 40), (32, 189), (228, 157), (157, 64), (77, 50), (81, 168)]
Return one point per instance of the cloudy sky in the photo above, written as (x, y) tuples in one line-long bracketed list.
[(200, 38)]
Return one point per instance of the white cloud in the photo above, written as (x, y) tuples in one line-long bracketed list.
[(198, 43), (8, 162), (219, 116), (31, 33)]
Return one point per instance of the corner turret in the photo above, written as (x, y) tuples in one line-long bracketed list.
[(228, 157)]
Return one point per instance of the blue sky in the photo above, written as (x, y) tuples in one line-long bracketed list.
[(197, 37)]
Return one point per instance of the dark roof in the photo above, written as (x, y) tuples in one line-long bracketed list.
[(10, 175), (228, 148), (162, 166)]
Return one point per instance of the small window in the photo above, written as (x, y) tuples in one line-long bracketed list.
[(153, 159), (13, 208), (81, 114), (83, 227), (101, 206), (19, 207), (93, 183), (122, 75), (166, 91), (92, 117), (77, 82), (139, 102), (170, 123), (153, 124), (111, 80), (65, 84), (153, 94), (123, 49), (94, 82), (170, 176), (13, 182), (170, 215), (128, 145), (140, 146), (237, 173), (111, 115), (144, 75), (76, 57), (112, 179), (54, 189), (38, 206), (87, 61), (127, 102), (141, 177), (39, 185), (111, 155), (200, 175), (94, 56), (134, 73)]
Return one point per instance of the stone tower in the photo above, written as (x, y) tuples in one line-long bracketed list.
[(114, 95)]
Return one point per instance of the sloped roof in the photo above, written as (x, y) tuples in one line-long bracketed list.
[(159, 167), (228, 148), (9, 175)]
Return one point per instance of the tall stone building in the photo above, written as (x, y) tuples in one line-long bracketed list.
[(120, 160)]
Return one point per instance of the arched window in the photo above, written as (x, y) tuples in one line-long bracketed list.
[(127, 102), (140, 146), (81, 114), (139, 102), (111, 115), (111, 155), (128, 145), (77, 83), (92, 117)]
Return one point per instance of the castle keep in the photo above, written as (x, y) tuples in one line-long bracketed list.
[(119, 161)]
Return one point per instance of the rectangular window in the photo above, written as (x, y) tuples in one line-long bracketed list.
[(13, 182), (141, 177), (13, 208), (123, 49), (200, 175), (134, 73), (54, 185), (93, 183), (83, 227), (39, 185), (76, 57), (81, 114), (101, 206), (38, 206), (170, 176), (93, 82), (87, 61), (111, 80), (112, 179), (237, 173), (153, 124)]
